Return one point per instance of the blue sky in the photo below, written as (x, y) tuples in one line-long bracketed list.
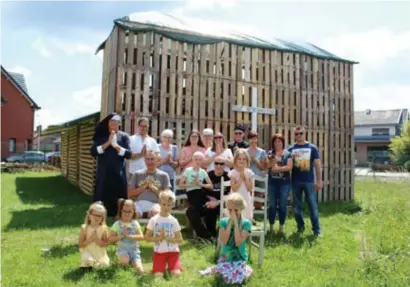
[(53, 44)]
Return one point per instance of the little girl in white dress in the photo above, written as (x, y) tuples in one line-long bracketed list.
[(93, 238), (242, 180)]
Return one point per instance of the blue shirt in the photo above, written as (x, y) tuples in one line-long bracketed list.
[(260, 155), (281, 177), (303, 162)]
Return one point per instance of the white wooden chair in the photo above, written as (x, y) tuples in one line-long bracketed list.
[(180, 198), (257, 231)]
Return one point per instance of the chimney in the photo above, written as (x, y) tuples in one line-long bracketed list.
[(368, 112)]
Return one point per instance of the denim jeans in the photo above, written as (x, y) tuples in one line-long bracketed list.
[(278, 197), (310, 196)]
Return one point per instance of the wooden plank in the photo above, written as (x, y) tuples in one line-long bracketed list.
[(120, 72)]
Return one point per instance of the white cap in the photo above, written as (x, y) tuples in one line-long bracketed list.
[(116, 118), (208, 132)]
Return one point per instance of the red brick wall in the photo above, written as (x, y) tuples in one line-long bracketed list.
[(17, 118)]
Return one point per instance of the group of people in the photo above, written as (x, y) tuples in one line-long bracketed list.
[(203, 161)]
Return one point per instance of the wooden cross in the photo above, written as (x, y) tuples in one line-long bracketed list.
[(254, 109)]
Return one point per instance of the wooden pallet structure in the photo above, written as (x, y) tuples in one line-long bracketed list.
[(183, 79), (77, 164)]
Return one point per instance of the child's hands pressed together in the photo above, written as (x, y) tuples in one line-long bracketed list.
[(242, 174), (125, 233)]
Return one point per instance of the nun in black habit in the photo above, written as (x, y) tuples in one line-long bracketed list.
[(111, 147)]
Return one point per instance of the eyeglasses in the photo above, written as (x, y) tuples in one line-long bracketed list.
[(298, 134), (219, 163), (217, 138), (96, 215), (143, 126)]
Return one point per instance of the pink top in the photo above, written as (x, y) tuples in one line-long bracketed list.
[(188, 152)]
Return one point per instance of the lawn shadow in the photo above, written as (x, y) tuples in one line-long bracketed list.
[(218, 281), (48, 217), (344, 207), (69, 203), (55, 190), (106, 274), (101, 275), (296, 240), (59, 251), (75, 275)]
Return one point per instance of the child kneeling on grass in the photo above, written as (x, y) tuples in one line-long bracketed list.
[(126, 232), (164, 230), (233, 233), (93, 238)]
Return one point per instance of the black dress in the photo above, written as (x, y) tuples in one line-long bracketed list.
[(111, 181)]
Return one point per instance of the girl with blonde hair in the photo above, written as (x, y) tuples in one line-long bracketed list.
[(93, 238), (242, 180), (233, 233)]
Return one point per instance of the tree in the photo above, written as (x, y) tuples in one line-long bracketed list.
[(400, 148)]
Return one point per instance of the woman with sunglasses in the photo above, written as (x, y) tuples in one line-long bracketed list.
[(218, 149)]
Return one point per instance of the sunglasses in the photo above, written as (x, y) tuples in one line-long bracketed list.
[(219, 163), (298, 134), (96, 215), (217, 138)]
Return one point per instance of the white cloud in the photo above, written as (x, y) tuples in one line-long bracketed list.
[(100, 55), (372, 48), (88, 100), (47, 117), (39, 46), (44, 46), (21, 70), (194, 5), (382, 97), (374, 51), (72, 48), (209, 4)]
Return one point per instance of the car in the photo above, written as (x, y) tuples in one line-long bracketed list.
[(50, 156), (28, 157)]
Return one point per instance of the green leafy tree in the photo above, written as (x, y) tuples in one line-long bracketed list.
[(400, 148)]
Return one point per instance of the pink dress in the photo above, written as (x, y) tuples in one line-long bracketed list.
[(248, 212), (188, 151)]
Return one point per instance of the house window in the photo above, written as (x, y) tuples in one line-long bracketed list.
[(380, 132), (12, 145)]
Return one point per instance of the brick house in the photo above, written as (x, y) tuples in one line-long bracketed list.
[(17, 114), (48, 143), (373, 131)]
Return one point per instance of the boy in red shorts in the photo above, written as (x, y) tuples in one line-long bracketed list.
[(164, 230)]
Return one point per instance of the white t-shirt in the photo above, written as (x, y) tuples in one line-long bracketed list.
[(136, 144), (170, 225), (226, 153)]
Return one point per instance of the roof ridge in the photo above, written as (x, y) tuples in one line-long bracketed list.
[(192, 30), (19, 87)]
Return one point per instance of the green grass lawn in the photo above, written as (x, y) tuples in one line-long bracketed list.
[(365, 243)]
